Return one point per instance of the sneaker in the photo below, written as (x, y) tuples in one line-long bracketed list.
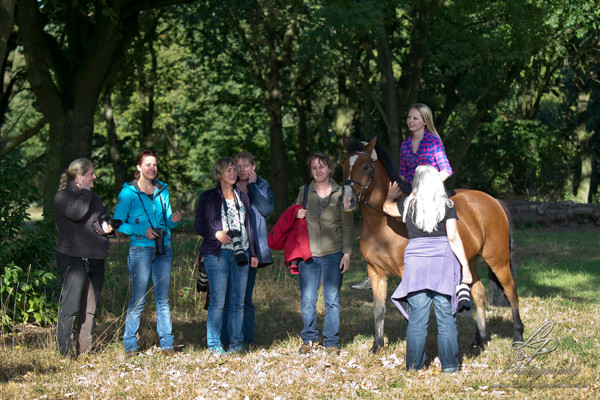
[(130, 354), (236, 350), (217, 350), (305, 348), (366, 284), (333, 350), (168, 353)]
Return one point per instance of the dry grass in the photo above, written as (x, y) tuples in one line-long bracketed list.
[(31, 368)]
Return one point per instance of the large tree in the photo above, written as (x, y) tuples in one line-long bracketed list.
[(72, 50)]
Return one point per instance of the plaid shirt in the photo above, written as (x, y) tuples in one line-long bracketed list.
[(430, 151)]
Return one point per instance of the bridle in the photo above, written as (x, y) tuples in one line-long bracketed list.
[(361, 196), (365, 186)]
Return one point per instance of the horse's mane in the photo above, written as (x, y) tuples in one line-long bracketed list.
[(382, 155)]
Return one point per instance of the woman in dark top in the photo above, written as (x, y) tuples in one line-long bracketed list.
[(223, 219), (80, 253), (432, 266)]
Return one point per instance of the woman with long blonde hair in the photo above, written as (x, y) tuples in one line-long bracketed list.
[(423, 146), (432, 266)]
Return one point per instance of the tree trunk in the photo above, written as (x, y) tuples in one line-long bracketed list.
[(70, 137), (147, 86), (583, 139), (390, 98), (113, 143), (279, 160), (7, 14), (367, 95), (302, 135)]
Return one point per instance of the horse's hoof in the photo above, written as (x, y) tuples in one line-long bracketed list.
[(517, 338)]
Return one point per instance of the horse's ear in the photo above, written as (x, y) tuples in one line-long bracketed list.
[(371, 145), (346, 142)]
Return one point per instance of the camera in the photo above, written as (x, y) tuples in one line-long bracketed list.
[(238, 249), (463, 292), (159, 241), (202, 283), (105, 217)]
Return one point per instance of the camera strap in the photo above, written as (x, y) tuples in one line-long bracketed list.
[(148, 216)]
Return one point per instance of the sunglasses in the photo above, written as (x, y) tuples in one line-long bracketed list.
[(152, 153)]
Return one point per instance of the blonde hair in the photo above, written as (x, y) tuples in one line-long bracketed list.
[(428, 200), (220, 167), (427, 116), (81, 166)]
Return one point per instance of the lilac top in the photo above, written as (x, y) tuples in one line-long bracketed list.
[(430, 151)]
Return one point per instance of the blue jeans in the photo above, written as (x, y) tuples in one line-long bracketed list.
[(310, 272), (416, 333), (249, 312), (225, 279), (143, 264)]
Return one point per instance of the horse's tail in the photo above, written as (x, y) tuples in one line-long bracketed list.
[(496, 296)]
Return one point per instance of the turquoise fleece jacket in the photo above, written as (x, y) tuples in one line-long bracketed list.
[(130, 210)]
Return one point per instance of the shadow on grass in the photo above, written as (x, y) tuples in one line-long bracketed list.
[(15, 370)]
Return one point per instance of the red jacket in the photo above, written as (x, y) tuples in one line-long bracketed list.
[(290, 234)]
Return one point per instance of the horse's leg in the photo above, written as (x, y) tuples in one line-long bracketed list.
[(510, 290), (379, 286), (478, 296)]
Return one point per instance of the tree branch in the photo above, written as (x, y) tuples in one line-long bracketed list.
[(11, 144)]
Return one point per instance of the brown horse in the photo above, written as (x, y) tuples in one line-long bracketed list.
[(483, 224)]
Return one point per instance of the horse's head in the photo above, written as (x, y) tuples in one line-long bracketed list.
[(358, 168)]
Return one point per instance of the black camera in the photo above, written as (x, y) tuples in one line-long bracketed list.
[(105, 217), (202, 283), (159, 241), (238, 249)]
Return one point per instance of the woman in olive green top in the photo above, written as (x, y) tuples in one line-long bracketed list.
[(330, 231)]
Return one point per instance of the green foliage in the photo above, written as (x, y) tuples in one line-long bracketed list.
[(27, 296), (19, 246), (524, 158)]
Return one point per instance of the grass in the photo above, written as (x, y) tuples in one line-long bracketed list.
[(558, 277)]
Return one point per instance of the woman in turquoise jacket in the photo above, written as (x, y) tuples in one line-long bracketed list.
[(145, 210)]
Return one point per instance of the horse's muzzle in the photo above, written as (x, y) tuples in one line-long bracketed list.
[(348, 199)]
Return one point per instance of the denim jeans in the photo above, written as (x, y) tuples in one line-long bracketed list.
[(225, 279), (311, 272), (249, 312), (416, 333), (81, 287), (143, 264)]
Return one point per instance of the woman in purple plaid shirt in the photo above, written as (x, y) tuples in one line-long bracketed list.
[(423, 146)]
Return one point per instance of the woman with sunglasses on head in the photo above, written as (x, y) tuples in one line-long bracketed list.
[(145, 210), (223, 218), (80, 253)]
